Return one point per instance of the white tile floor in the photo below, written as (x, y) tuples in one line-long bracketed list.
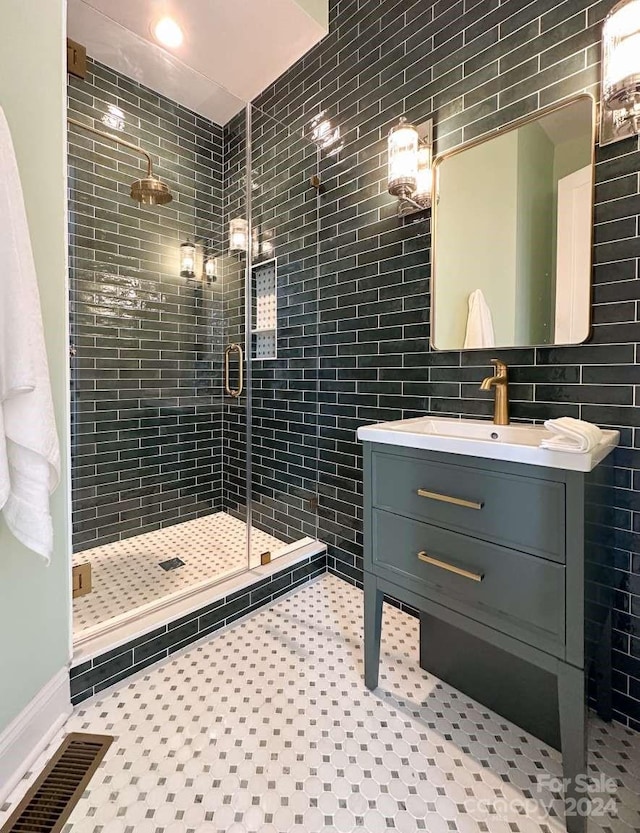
[(268, 727), (127, 574)]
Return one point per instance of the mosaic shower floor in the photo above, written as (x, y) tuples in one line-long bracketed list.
[(127, 574), (268, 727)]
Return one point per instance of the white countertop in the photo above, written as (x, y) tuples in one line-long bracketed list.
[(517, 443)]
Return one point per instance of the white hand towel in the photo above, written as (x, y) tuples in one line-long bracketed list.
[(479, 323), (574, 435), (29, 451)]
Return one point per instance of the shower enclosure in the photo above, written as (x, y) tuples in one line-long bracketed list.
[(194, 458)]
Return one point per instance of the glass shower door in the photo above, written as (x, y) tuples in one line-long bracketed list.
[(282, 339)]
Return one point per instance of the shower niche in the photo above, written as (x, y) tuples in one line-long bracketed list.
[(264, 285)]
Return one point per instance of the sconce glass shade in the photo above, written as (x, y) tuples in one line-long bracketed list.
[(188, 260), (422, 193), (211, 269), (238, 235), (621, 62), (403, 159)]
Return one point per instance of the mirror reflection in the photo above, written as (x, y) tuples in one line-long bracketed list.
[(512, 235)]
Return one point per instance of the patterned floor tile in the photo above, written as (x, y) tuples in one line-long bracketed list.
[(127, 574), (268, 727)]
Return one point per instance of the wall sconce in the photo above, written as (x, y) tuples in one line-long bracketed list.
[(210, 269), (620, 111), (197, 261), (238, 235), (410, 174), (188, 260), (238, 232), (263, 244), (422, 194), (403, 159)]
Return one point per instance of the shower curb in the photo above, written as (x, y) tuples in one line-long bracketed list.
[(90, 677)]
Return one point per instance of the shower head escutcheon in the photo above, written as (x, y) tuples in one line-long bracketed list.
[(150, 190)]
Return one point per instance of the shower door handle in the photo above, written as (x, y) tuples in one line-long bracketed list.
[(235, 392)]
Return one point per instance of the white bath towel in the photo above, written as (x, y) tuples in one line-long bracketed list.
[(479, 323), (29, 450), (572, 435)]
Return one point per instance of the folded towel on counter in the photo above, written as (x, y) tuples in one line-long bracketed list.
[(479, 323), (29, 451), (572, 435)]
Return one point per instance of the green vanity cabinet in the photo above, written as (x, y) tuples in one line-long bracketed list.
[(494, 549)]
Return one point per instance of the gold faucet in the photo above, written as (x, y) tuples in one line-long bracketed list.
[(500, 382)]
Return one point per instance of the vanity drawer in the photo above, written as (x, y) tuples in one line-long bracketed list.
[(525, 513), (510, 591)]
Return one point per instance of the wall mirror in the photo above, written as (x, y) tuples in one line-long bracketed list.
[(512, 234)]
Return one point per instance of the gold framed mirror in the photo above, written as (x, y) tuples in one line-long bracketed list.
[(512, 234)]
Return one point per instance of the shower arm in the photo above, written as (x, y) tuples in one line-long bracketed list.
[(115, 139)]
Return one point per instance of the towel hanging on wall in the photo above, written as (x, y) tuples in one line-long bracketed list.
[(29, 450), (479, 323)]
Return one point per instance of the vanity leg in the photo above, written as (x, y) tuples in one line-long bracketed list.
[(573, 736), (372, 630), (603, 673)]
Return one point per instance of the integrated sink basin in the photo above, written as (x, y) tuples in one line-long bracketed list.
[(481, 438)]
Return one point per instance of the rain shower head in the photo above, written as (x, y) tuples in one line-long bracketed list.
[(151, 191), (147, 191)]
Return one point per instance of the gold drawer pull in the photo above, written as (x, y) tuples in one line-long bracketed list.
[(469, 504), (459, 571)]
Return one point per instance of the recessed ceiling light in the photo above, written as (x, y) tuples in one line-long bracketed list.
[(168, 33)]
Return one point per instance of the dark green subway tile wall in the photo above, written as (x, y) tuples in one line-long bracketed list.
[(146, 346), (472, 66)]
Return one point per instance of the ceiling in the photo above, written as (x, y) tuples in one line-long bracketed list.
[(232, 49)]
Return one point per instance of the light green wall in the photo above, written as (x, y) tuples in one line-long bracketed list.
[(476, 247), (572, 155), (34, 599), (534, 257)]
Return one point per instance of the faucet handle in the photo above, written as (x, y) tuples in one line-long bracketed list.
[(499, 367)]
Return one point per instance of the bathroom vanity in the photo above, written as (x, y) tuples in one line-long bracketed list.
[(478, 527)]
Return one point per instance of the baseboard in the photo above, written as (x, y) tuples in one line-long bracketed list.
[(25, 737)]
